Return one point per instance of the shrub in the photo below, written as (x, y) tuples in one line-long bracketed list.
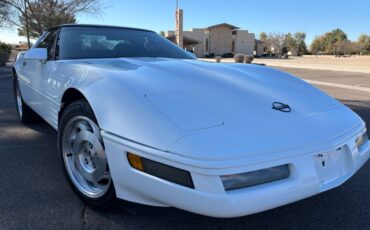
[(227, 55), (5, 47), (211, 55), (239, 58), (4, 56), (248, 59), (5, 51)]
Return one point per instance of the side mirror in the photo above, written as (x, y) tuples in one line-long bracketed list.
[(40, 54)]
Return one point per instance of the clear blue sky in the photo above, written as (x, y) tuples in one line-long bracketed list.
[(311, 16)]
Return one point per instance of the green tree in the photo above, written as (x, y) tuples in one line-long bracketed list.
[(263, 36), (296, 43), (331, 38), (317, 45), (339, 35), (301, 46), (290, 43), (329, 42), (364, 43)]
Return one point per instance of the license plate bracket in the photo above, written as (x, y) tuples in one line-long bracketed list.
[(331, 165)]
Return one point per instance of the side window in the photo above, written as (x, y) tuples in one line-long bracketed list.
[(48, 42)]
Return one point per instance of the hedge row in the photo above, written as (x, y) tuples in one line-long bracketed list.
[(5, 51)]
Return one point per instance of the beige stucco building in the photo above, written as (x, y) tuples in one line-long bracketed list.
[(218, 40)]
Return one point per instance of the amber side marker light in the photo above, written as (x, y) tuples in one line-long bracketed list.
[(135, 161), (165, 172)]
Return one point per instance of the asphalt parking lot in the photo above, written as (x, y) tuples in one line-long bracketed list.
[(35, 195)]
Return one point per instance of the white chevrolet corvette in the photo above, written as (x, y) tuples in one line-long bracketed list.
[(142, 120)]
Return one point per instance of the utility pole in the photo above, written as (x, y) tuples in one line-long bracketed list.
[(27, 27)]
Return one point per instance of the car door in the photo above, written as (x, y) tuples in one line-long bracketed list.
[(25, 73), (37, 76)]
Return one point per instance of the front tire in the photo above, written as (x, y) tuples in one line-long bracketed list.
[(83, 155), (25, 114)]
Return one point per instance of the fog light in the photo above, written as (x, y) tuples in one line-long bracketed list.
[(165, 172), (248, 179)]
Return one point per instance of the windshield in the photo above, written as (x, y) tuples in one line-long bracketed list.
[(96, 42)]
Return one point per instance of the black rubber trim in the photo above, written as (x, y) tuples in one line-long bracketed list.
[(168, 173)]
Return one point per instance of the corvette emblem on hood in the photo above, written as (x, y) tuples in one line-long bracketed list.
[(281, 107)]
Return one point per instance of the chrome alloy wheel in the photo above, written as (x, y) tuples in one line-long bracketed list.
[(84, 157), (19, 101)]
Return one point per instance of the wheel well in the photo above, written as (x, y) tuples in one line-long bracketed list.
[(70, 96)]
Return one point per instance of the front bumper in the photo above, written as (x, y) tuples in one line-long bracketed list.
[(308, 176)]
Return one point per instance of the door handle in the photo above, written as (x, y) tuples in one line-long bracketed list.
[(24, 63)]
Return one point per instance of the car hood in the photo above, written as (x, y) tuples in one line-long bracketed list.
[(229, 106), (233, 92)]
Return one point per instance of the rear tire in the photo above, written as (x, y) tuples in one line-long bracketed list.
[(82, 152), (25, 114)]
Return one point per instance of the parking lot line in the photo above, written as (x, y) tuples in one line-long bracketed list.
[(336, 85)]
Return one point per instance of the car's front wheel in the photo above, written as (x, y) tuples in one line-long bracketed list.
[(25, 113), (82, 151)]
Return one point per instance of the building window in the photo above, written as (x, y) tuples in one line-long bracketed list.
[(233, 46), (207, 45)]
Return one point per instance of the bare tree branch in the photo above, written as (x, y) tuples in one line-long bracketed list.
[(42, 14)]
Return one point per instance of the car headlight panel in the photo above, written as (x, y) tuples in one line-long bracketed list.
[(257, 177), (361, 140)]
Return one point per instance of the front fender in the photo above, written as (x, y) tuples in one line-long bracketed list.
[(124, 111)]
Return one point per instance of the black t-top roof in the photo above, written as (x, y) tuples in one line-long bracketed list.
[(98, 26)]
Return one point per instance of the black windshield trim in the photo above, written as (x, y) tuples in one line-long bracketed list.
[(99, 26)]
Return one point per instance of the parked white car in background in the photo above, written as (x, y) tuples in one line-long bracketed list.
[(140, 119)]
